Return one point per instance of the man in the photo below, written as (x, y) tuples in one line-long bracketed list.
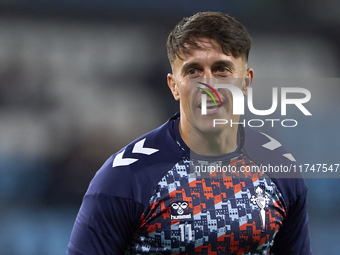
[(146, 199)]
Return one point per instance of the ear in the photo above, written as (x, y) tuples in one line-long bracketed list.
[(172, 85), (248, 80)]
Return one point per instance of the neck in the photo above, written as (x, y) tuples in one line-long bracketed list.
[(209, 143)]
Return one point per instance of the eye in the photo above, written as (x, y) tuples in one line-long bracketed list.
[(192, 71), (222, 69)]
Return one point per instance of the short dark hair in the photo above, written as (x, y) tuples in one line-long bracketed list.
[(232, 36)]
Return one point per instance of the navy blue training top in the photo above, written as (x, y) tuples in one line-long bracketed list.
[(155, 197)]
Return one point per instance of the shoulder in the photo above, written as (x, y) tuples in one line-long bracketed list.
[(279, 163), (134, 171), (264, 148)]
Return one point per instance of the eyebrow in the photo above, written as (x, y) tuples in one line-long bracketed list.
[(224, 63), (190, 65)]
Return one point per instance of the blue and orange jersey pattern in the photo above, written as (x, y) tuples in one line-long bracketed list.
[(189, 214), (149, 198)]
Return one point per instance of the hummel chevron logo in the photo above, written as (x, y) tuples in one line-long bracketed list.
[(120, 161), (290, 157), (272, 144), (137, 148)]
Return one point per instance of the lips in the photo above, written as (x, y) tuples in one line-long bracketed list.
[(211, 106)]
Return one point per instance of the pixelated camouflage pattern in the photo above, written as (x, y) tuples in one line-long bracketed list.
[(214, 213)]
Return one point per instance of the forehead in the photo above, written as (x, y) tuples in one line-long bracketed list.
[(203, 50), (198, 45), (207, 43)]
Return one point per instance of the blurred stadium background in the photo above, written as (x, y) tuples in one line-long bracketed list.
[(81, 79)]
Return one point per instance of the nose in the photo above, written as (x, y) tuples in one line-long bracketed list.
[(208, 75)]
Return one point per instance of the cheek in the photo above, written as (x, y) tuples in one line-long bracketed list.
[(226, 94), (184, 89), (186, 98)]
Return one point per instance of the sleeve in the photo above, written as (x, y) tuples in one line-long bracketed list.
[(104, 225), (293, 236)]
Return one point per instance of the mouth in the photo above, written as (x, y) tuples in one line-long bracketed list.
[(211, 107)]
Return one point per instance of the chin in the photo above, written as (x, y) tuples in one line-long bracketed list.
[(206, 125)]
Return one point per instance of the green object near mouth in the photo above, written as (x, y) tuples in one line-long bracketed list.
[(206, 91)]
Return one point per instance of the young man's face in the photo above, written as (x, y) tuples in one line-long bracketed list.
[(203, 64)]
